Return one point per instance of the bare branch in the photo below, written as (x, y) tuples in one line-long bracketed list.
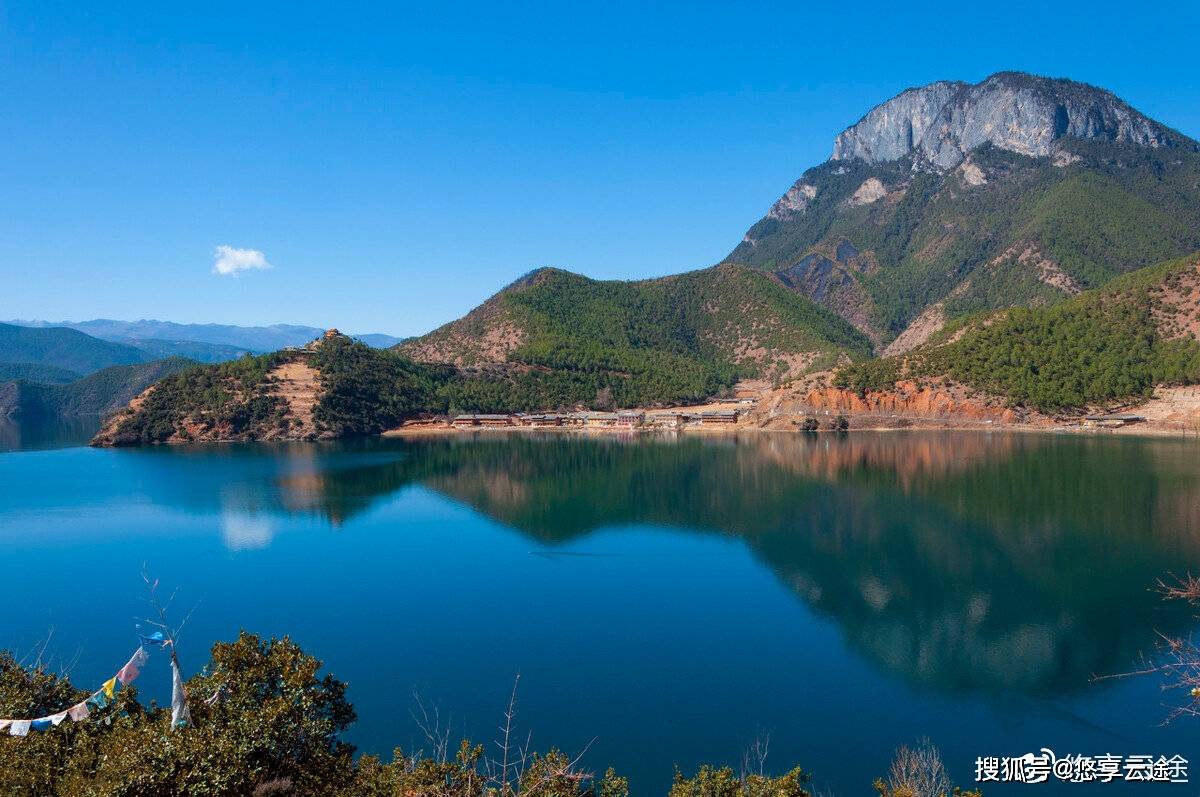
[(431, 726), (754, 757), (506, 734), (1178, 660)]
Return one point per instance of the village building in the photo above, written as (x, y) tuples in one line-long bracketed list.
[(630, 419), (600, 419), (495, 420), (546, 419), (671, 419), (718, 417), (468, 421)]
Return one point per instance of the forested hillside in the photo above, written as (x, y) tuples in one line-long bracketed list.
[(33, 372), (64, 349), (100, 393), (1112, 344), (336, 388), (556, 338)]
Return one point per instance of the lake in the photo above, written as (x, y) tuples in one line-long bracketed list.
[(671, 599)]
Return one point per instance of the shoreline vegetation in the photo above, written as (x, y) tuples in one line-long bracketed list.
[(273, 728)]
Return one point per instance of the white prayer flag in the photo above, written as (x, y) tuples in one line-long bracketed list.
[(180, 716)]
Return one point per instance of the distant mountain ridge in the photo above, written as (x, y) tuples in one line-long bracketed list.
[(236, 339), (67, 349), (954, 198)]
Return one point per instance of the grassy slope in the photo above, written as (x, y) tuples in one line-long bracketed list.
[(1111, 344), (64, 348)]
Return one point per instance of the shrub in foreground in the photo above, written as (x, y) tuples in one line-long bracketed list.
[(267, 722)]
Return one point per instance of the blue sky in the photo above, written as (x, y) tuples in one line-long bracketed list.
[(396, 165)]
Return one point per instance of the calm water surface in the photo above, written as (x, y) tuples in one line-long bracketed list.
[(671, 599)]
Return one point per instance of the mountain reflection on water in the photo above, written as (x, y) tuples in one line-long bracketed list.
[(962, 561)]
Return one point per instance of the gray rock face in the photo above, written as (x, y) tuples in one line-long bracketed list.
[(794, 202), (940, 123), (891, 130)]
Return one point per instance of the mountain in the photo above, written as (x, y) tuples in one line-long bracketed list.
[(953, 198), (233, 340), (710, 324), (66, 349), (100, 393)]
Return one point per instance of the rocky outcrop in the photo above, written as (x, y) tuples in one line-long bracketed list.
[(907, 399), (939, 124), (828, 277), (921, 329), (794, 202), (891, 130), (870, 191)]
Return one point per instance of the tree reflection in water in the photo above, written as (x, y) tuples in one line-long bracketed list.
[(963, 561)]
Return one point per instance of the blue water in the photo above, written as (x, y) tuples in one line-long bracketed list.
[(664, 601)]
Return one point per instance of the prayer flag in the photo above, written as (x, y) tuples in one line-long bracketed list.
[(19, 727), (79, 712), (133, 668), (180, 716), (99, 700)]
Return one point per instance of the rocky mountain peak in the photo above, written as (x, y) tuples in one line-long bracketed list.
[(939, 124), (892, 129)]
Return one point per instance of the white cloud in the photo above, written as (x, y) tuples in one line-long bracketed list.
[(231, 260)]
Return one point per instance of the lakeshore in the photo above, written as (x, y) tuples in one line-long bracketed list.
[(1172, 413)]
